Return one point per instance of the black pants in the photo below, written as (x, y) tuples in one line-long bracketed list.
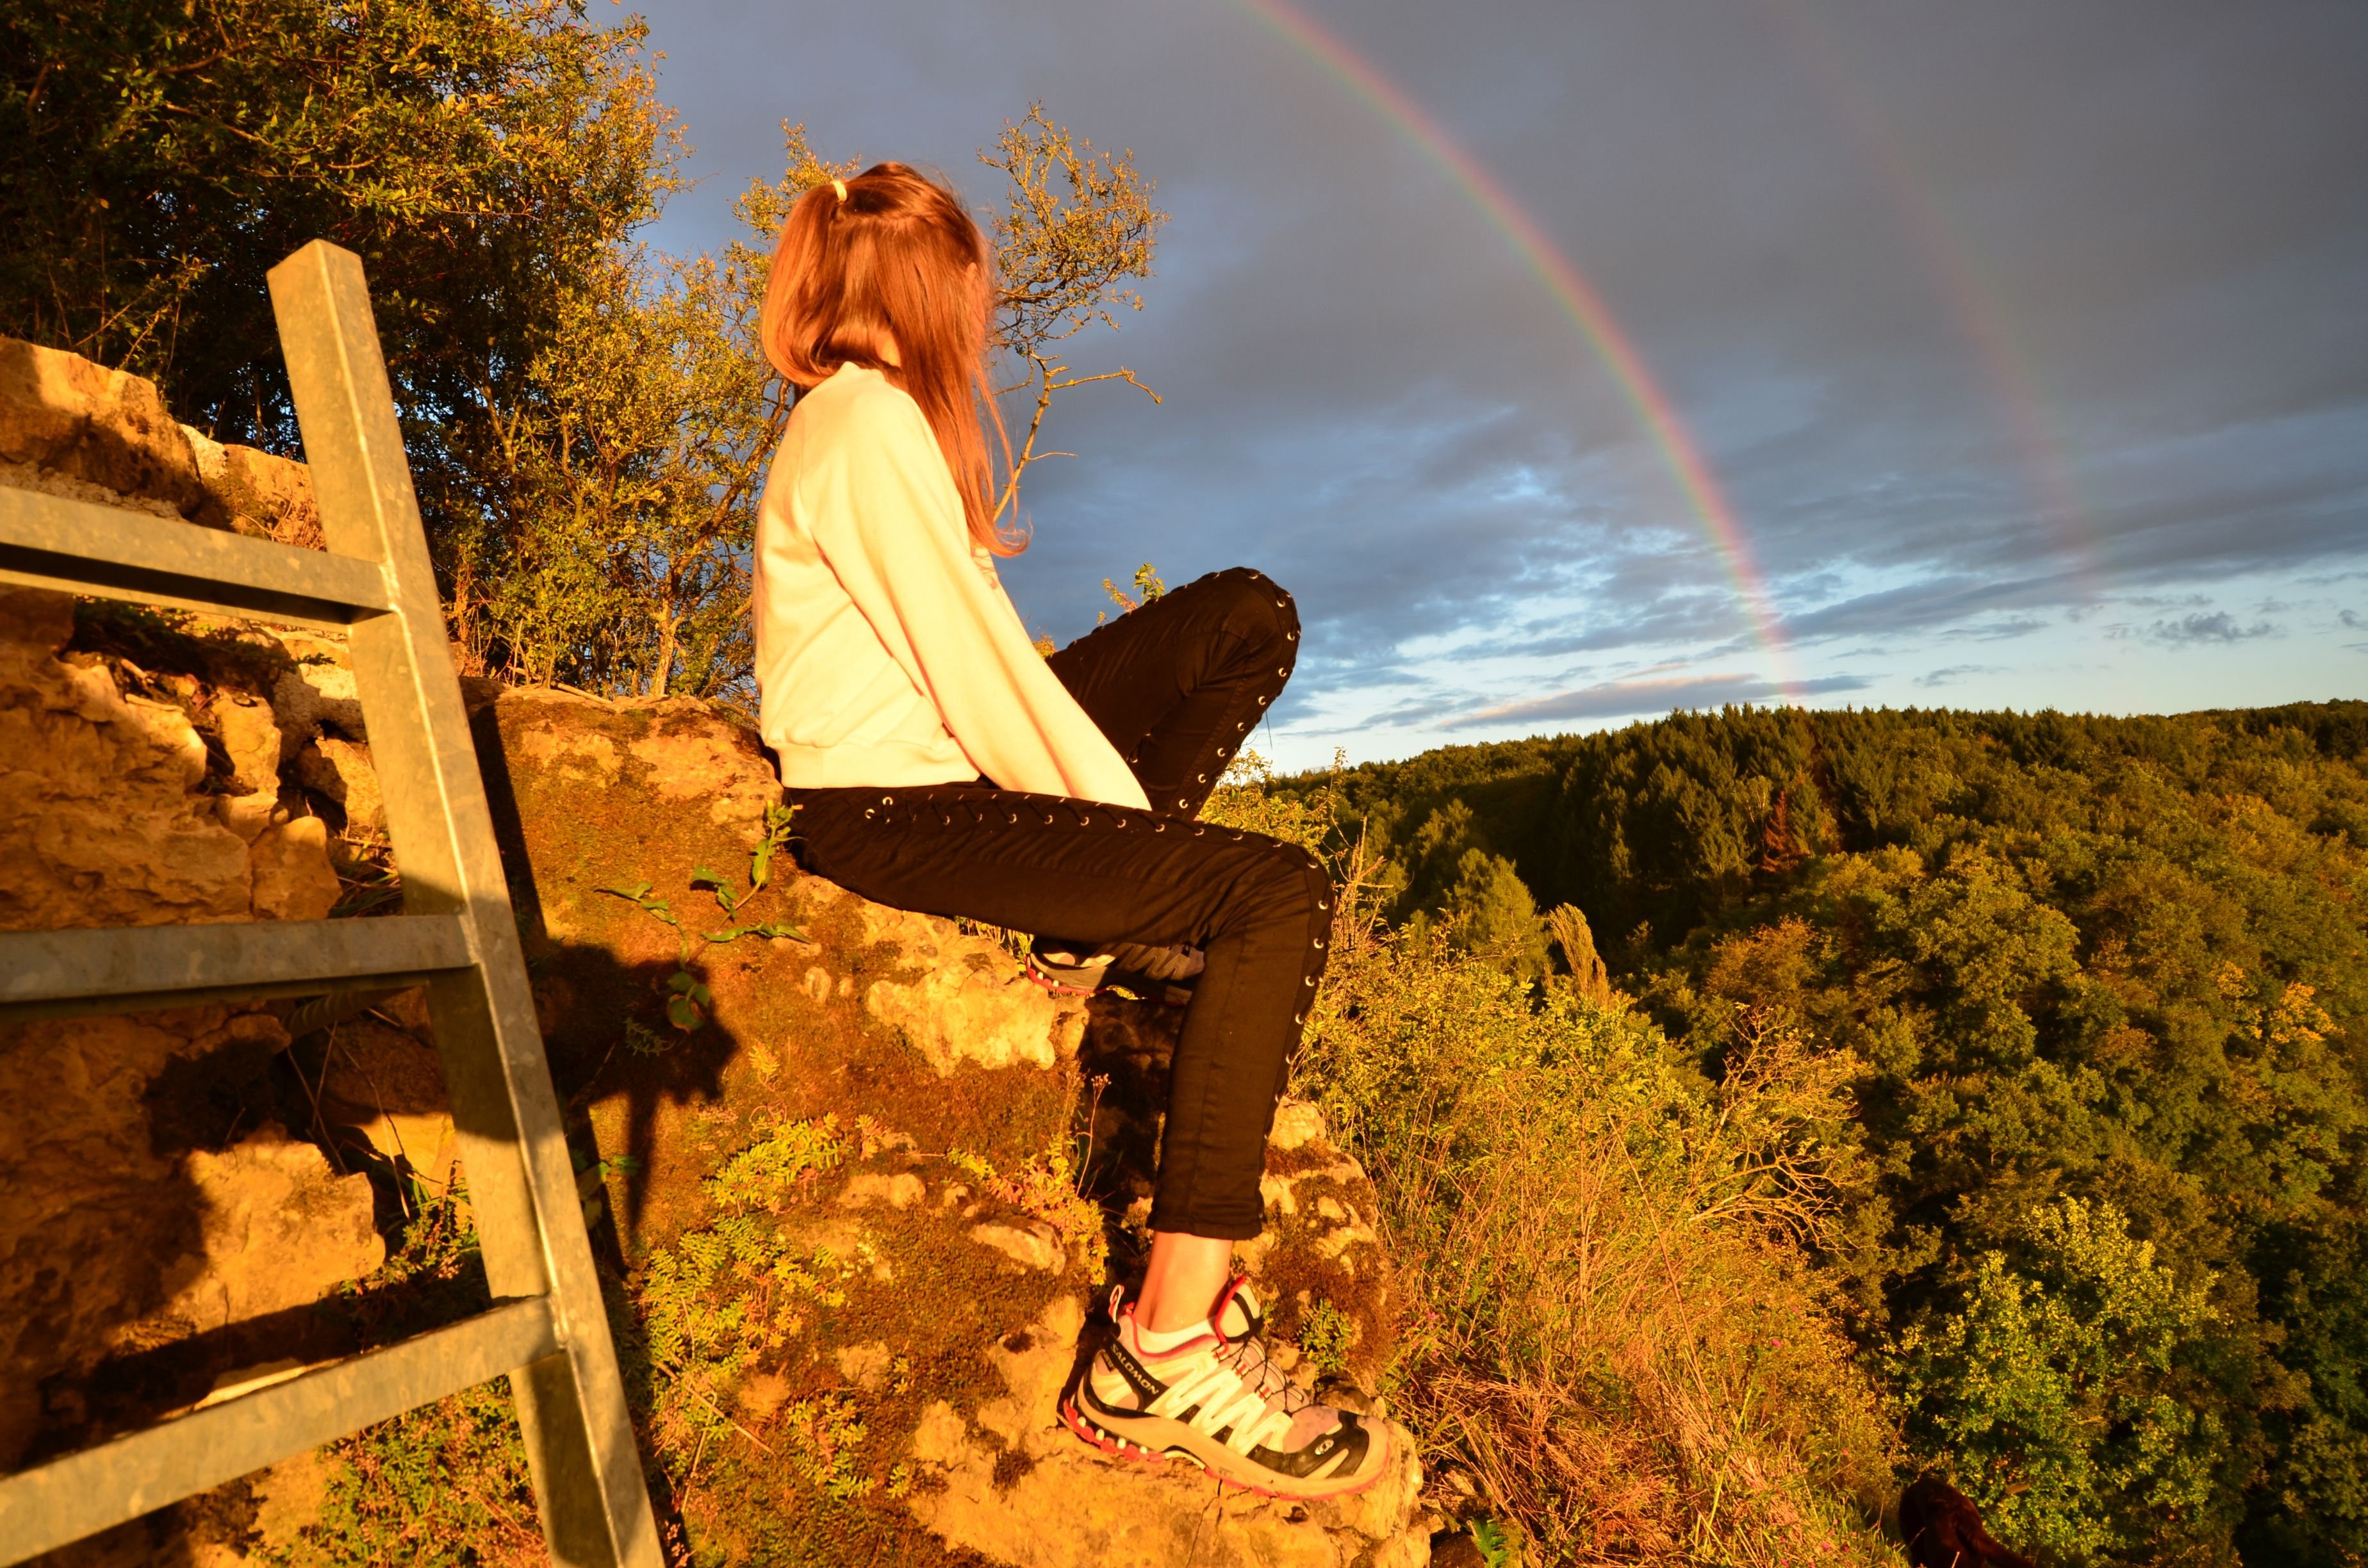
[(1176, 686)]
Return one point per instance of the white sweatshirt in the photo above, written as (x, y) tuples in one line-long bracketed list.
[(887, 652)]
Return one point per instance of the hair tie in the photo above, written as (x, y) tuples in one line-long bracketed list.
[(839, 186)]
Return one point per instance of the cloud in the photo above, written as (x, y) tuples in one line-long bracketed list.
[(1651, 694), (2158, 384), (1922, 606), (2218, 627), (1953, 674)]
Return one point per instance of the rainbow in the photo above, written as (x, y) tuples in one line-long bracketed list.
[(2005, 361), (1579, 300)]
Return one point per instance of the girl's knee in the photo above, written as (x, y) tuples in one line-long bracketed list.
[(1294, 892), (1256, 604)]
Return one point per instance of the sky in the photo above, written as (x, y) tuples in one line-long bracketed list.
[(1573, 361)]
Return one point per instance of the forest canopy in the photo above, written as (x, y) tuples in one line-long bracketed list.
[(2099, 986)]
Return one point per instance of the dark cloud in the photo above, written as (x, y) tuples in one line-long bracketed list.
[(1988, 320)]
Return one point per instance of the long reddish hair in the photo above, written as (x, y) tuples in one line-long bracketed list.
[(895, 261)]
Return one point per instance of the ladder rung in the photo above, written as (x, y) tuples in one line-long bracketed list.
[(132, 968), (76, 546), (71, 1498)]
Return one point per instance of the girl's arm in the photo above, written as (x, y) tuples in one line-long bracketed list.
[(884, 512)]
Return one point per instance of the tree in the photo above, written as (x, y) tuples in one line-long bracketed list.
[(2059, 1388), (482, 156), (1076, 233)]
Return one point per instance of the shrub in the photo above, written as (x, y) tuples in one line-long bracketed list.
[(2057, 1384), (1615, 1327)]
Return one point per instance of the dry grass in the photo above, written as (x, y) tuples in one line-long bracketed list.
[(1615, 1331)]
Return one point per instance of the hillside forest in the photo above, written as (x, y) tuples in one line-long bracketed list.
[(2094, 989)]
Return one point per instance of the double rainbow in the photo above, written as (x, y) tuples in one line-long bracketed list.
[(1579, 300)]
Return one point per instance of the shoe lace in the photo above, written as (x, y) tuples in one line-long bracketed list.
[(1247, 1354), (1225, 1390)]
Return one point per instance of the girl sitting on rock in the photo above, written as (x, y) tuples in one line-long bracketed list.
[(941, 764)]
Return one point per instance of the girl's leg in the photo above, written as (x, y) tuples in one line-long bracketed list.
[(1178, 684), (1185, 1275), (1259, 908)]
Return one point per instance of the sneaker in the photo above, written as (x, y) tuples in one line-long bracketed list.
[(1218, 1403), (1066, 969), (1144, 972)]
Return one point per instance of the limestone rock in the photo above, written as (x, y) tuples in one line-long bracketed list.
[(251, 737), (279, 1230), (143, 1203), (1035, 1246), (383, 1087), (899, 1190), (62, 414), (948, 1232), (317, 689), (966, 1002), (292, 877), (341, 770), (153, 1212), (256, 493), (97, 792)]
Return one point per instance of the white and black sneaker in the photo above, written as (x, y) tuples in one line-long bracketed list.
[(1159, 973), (1218, 1403)]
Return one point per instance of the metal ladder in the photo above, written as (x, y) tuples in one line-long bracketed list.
[(547, 1328)]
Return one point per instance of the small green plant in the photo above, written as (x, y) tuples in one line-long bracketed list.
[(687, 998), (1324, 1336), (726, 1297), (1496, 1547), (1046, 1187), (1147, 588), (826, 1434)]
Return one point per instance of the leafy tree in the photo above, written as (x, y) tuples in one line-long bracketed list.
[(1490, 912), (481, 155), (2057, 1387), (1075, 235)]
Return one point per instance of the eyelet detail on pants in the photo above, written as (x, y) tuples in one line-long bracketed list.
[(1159, 827), (1183, 805), (1203, 779), (1285, 670)]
